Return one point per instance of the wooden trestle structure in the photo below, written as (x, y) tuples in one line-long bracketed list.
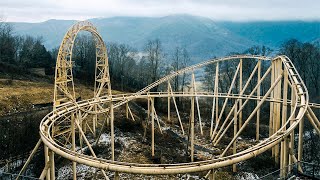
[(273, 85)]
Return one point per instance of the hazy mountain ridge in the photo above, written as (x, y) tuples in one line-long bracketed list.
[(273, 34), (201, 36)]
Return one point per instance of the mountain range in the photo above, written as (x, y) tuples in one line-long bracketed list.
[(202, 37)]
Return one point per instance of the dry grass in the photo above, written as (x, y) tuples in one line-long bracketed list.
[(21, 95)]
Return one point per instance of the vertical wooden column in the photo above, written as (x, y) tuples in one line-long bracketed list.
[(192, 129), (73, 140), (240, 90), (127, 110), (168, 101), (116, 176), (258, 95), (192, 123), (278, 71), (235, 127), (197, 101), (148, 107), (79, 118), (94, 122), (271, 104), (212, 174), (152, 128), (112, 130), (47, 159), (291, 143), (300, 140), (52, 165), (215, 100), (51, 158), (284, 153)]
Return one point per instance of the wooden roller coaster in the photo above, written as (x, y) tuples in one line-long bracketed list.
[(272, 85)]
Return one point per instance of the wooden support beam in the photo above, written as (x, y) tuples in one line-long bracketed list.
[(217, 138), (192, 129), (252, 115), (283, 155), (277, 121), (112, 129), (311, 120), (47, 161), (197, 100), (291, 139), (168, 88), (271, 124), (214, 99), (94, 122), (127, 110), (225, 102), (155, 114), (240, 90), (176, 107), (152, 128), (216, 91), (235, 126), (258, 95), (86, 140), (131, 114), (73, 137), (33, 152), (44, 171), (52, 165)]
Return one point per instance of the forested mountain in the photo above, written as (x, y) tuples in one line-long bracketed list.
[(274, 34), (202, 37)]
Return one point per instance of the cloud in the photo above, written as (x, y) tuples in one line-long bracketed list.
[(234, 10)]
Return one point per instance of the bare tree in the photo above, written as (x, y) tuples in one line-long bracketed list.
[(154, 56)]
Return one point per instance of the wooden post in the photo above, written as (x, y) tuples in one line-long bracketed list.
[(212, 174), (271, 105), (152, 128), (278, 97), (176, 107), (127, 110), (215, 99), (192, 129), (94, 122), (284, 154), (116, 176), (300, 140), (258, 95), (73, 139), (47, 161), (291, 144), (235, 125), (240, 89), (52, 165), (168, 101), (27, 162), (197, 101), (112, 130), (225, 101), (216, 90)]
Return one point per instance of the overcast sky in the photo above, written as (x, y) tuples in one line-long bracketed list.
[(234, 10)]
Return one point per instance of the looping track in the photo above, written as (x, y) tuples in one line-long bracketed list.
[(266, 89)]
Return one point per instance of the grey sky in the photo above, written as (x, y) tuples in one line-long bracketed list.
[(234, 10)]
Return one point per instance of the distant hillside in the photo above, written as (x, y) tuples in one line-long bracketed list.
[(202, 37), (273, 34)]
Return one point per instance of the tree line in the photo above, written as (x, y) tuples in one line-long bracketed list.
[(132, 70), (18, 53)]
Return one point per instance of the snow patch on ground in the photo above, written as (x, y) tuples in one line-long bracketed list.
[(65, 172), (247, 176)]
